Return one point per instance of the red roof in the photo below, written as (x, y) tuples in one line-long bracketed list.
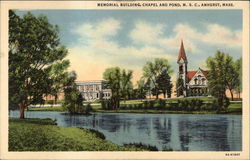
[(190, 74), (182, 53), (205, 73)]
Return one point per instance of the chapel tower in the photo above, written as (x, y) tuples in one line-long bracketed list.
[(182, 73)]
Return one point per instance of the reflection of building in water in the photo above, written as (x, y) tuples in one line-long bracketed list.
[(93, 90)]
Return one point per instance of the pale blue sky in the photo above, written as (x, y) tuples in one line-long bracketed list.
[(128, 38)]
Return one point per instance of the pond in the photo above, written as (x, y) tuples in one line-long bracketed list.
[(181, 132)]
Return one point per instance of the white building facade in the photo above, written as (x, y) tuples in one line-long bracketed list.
[(93, 90)]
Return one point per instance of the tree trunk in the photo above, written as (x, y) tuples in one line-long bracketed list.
[(232, 96), (22, 106), (164, 94), (56, 97), (157, 95)]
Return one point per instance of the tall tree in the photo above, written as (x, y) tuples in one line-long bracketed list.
[(60, 77), (126, 84), (141, 88), (164, 84), (34, 49), (119, 81), (222, 76), (152, 71), (113, 77), (238, 67)]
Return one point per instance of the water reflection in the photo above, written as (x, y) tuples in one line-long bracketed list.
[(181, 132)]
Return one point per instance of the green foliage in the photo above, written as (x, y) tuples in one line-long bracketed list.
[(119, 81), (106, 104), (167, 149), (73, 101), (154, 71), (36, 60), (142, 146), (238, 68), (163, 81), (58, 109), (223, 75), (43, 135)]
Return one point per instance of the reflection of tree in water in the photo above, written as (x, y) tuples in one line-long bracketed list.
[(163, 129), (210, 132), (110, 122)]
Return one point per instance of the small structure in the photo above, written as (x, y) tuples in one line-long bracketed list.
[(191, 83), (93, 90)]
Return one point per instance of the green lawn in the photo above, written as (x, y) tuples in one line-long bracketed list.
[(58, 109), (44, 135), (232, 109)]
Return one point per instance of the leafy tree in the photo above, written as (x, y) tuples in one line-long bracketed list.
[(126, 84), (141, 88), (34, 50), (221, 76), (163, 82), (238, 68), (73, 100), (113, 76), (60, 76), (119, 81), (152, 70)]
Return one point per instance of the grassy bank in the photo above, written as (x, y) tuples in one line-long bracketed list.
[(44, 135), (58, 109), (232, 109)]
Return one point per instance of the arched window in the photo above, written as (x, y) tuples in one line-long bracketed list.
[(203, 81), (199, 79), (195, 81), (181, 69)]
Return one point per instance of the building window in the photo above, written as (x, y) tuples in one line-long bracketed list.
[(195, 81), (181, 69), (203, 81)]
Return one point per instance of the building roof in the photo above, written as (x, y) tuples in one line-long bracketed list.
[(182, 53), (205, 73), (190, 74)]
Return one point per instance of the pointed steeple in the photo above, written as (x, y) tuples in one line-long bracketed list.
[(182, 53)]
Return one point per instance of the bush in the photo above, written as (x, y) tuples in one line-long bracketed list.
[(142, 146), (167, 149), (160, 103), (106, 104), (88, 109)]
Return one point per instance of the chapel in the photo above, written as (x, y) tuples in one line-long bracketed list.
[(190, 83)]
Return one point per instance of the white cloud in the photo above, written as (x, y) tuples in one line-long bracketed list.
[(98, 49), (146, 33), (214, 34), (99, 30)]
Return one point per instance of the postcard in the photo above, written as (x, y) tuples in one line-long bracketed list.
[(124, 80)]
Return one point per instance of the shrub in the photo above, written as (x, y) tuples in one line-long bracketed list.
[(106, 104), (88, 109), (167, 149), (142, 146), (145, 104), (160, 103), (151, 104)]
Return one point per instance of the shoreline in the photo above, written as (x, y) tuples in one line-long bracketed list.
[(150, 111)]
